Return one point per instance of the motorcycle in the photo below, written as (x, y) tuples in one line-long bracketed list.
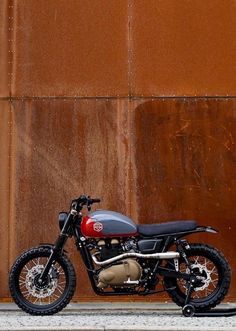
[(121, 258)]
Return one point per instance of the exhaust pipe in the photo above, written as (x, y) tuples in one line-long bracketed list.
[(167, 255)]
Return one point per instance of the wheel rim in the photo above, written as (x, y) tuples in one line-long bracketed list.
[(209, 274), (50, 290)]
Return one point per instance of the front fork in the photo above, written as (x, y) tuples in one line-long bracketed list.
[(58, 246)]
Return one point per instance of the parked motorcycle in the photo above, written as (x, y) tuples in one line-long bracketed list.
[(121, 258)]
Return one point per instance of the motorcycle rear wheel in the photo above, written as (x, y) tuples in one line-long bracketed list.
[(38, 298), (212, 265)]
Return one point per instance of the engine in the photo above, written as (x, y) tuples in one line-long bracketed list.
[(123, 273), (126, 273), (128, 262), (109, 248)]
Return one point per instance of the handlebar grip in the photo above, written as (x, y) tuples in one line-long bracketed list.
[(96, 200)]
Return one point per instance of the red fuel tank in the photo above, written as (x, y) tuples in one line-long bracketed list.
[(104, 223)]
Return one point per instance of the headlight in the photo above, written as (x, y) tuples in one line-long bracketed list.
[(61, 219)]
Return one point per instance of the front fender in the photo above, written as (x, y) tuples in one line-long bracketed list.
[(50, 246)]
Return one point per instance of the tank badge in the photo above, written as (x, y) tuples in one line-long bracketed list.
[(98, 227)]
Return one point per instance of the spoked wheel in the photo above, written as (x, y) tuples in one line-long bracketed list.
[(37, 297), (202, 267), (213, 273)]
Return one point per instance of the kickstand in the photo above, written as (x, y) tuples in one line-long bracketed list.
[(189, 310), (219, 312)]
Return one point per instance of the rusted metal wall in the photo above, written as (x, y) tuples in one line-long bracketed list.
[(183, 47), (4, 49), (67, 147), (93, 99), (5, 159), (69, 48), (184, 167)]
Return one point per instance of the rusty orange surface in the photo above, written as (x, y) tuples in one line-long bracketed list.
[(5, 160), (75, 47), (179, 153), (4, 48), (63, 149), (128, 47), (153, 159), (183, 47), (184, 166)]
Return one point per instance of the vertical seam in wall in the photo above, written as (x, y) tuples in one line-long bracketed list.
[(10, 233), (129, 186), (129, 48), (10, 46), (129, 161), (10, 74), (131, 169)]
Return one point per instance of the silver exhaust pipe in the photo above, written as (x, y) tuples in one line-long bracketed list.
[(166, 255)]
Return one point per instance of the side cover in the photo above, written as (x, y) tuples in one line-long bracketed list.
[(104, 223)]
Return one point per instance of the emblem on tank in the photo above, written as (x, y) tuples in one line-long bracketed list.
[(98, 226)]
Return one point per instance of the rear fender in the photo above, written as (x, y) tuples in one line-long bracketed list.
[(198, 229), (208, 229), (174, 236)]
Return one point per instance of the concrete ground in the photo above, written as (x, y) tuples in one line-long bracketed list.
[(113, 316)]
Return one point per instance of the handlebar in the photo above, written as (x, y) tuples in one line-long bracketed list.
[(82, 201), (97, 200)]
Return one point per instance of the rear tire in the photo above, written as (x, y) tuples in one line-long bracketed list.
[(41, 299), (216, 270)]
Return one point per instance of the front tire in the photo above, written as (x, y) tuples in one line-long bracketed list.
[(45, 298), (212, 265)]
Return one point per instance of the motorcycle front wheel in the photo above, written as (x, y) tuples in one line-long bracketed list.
[(45, 298), (211, 265)]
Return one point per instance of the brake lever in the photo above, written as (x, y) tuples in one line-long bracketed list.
[(73, 205)]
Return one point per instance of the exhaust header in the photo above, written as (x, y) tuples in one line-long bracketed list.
[(158, 256)]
